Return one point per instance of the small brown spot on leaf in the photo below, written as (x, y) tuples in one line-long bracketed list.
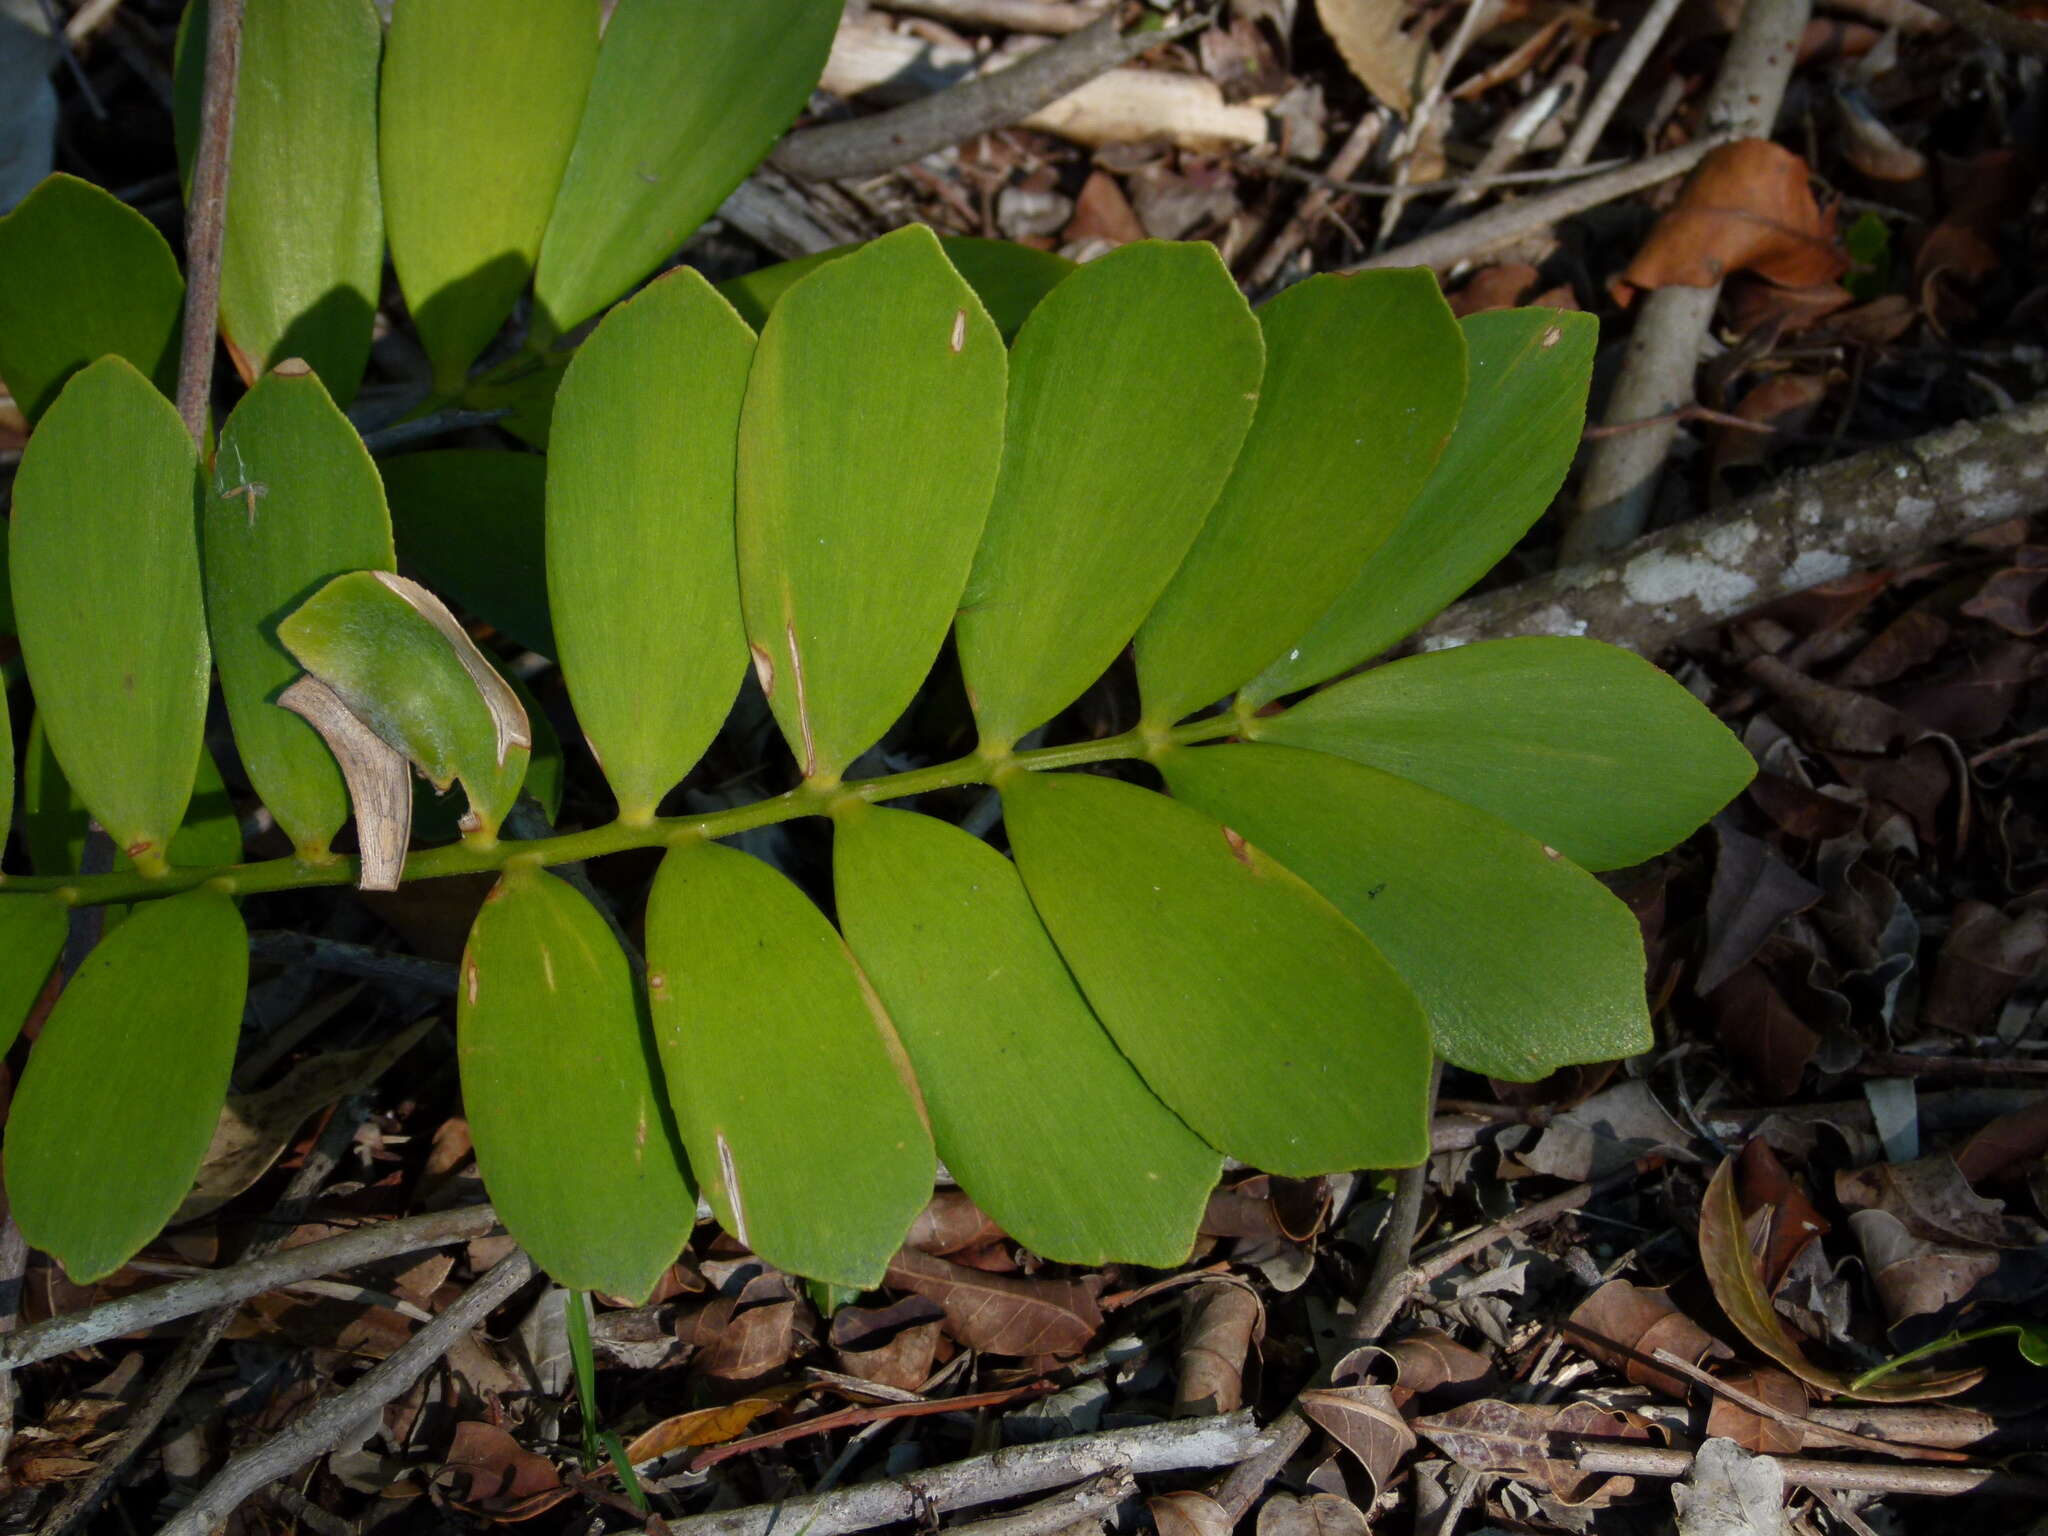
[(764, 669), (469, 978), (657, 983), (1552, 335), (1238, 850), (137, 850), (1552, 854), (959, 329), (729, 1171)]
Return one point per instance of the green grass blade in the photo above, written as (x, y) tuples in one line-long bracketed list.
[(564, 1098), (868, 450), (642, 575), (1583, 746), (83, 275), (124, 1086), (105, 570), (792, 1094), (1552, 975), (295, 501), (1131, 387), (689, 95), (1260, 1015), (1365, 375), (1033, 1109)]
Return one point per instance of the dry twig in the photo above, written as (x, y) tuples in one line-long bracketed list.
[(1600, 111), (1805, 1472), (206, 214), (1799, 1421)]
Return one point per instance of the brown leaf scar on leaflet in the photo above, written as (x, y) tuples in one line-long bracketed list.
[(729, 1171), (1552, 854), (959, 329), (764, 669), (469, 978), (1237, 846), (1552, 335)]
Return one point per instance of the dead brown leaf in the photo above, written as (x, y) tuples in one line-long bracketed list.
[(951, 1223), (1624, 1325), (1753, 1431), (1102, 212), (491, 1476), (1753, 892), (1383, 44), (1320, 1514), (2016, 600), (2008, 1143), (1986, 957), (1188, 1514), (1423, 1363), (752, 1335), (1748, 208), (707, 1426), (1519, 1440), (1911, 640), (1762, 1032), (1911, 1275), (892, 1345), (1001, 1314), (1222, 1318), (1367, 1422), (1791, 1221), (1935, 1202)]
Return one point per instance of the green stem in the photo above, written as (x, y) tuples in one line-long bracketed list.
[(1940, 1346), (291, 873)]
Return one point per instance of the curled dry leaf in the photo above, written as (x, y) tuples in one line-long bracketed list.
[(1730, 1420), (491, 1476), (1911, 1275), (893, 1345), (1188, 1514), (951, 1223), (1765, 1034), (751, 1335), (1320, 1514), (1984, 960), (1790, 1220), (1000, 1314), (1375, 37), (378, 777), (1731, 1493), (1624, 1325), (1223, 1317), (1367, 1422), (1935, 1202), (2008, 1143), (2015, 599), (706, 1426), (1426, 1362), (1519, 1440), (1911, 640), (1749, 207), (1737, 1280)]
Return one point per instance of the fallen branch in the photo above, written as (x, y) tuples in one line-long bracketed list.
[(1473, 238), (1805, 1472), (319, 1429), (206, 215), (1873, 509), (1175, 1446), (1092, 1500), (1807, 1427), (868, 146), (237, 1283), (1641, 44)]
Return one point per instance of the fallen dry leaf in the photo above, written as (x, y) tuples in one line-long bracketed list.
[(1001, 1314), (1320, 1514), (1753, 891), (1911, 640), (1911, 1275), (1791, 1221), (1188, 1514), (1749, 207), (707, 1426), (1222, 1318), (1424, 1362), (892, 1345), (2008, 1143), (1102, 212), (1389, 60), (1934, 1200), (493, 1477), (1623, 1324), (1518, 1440), (951, 1223), (1737, 1281), (1986, 957), (1367, 1422), (1753, 1431), (746, 1337)]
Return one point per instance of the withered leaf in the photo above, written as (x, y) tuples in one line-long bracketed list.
[(1791, 1220), (706, 1426), (892, 1345), (490, 1475), (1730, 1420), (2015, 599), (1911, 1275), (1001, 1314), (1320, 1514), (1188, 1514), (748, 1336), (1366, 1422), (1623, 1324), (1748, 207), (1935, 1202), (1223, 1316), (951, 1223), (1984, 960), (1752, 893), (1522, 1441)]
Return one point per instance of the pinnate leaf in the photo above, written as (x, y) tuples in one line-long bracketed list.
[(564, 1098), (1585, 747), (642, 577), (295, 501), (1033, 1109), (124, 1085), (792, 1095), (1261, 1016), (1008, 278), (105, 567)]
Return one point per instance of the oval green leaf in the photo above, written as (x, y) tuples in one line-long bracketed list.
[(1583, 746), (1010, 279), (1131, 388), (868, 449), (1033, 1109), (1261, 1016), (642, 575), (562, 1092), (387, 647), (477, 118), (295, 502), (302, 252), (793, 1098), (124, 1086), (54, 821), (105, 568), (1518, 433), (32, 930), (1522, 961), (1365, 375), (470, 522), (83, 275), (688, 97)]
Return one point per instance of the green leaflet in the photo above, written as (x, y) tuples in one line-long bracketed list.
[(1526, 405), (6, 764), (124, 1086), (1522, 961), (476, 122), (419, 683), (54, 820), (688, 97), (1131, 388), (1584, 746), (641, 569), (1264, 1019), (1033, 1109), (790, 1089), (82, 275), (470, 522), (105, 569), (32, 930), (1364, 378), (562, 1091), (868, 449), (303, 248), (295, 502), (1009, 279)]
